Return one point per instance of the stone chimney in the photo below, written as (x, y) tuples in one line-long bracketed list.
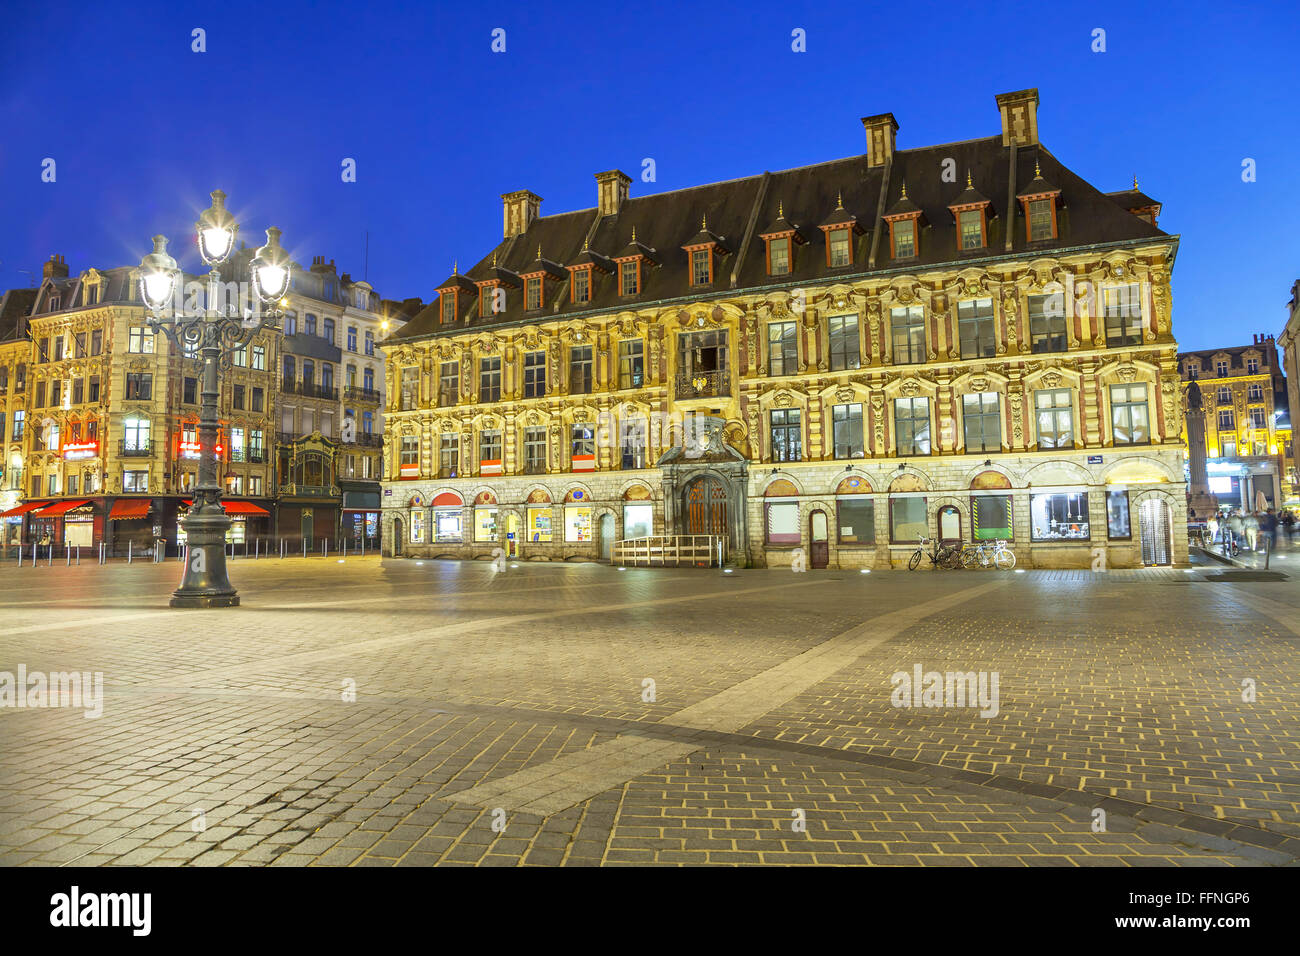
[(318, 264), (1019, 117), (520, 209), (880, 138), (611, 190), (56, 268)]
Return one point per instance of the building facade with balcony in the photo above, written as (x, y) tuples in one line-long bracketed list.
[(109, 437), (1289, 342), (963, 342), (331, 385)]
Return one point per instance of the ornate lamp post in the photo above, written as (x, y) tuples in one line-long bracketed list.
[(216, 332)]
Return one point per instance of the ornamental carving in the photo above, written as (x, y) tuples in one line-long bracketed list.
[(533, 418), (845, 394), (910, 388), (1126, 373), (1015, 401), (1051, 379), (979, 384), (783, 399)]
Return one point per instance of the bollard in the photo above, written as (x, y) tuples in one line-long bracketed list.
[(67, 556), (325, 543), (49, 556), (33, 554), (78, 555), (128, 551), (20, 554), (304, 547), (282, 549), (257, 548)]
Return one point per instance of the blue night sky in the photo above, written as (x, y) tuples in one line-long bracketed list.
[(440, 126)]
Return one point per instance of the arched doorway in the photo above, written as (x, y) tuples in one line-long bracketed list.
[(819, 549), (605, 531), (705, 506), (512, 534), (1154, 527), (399, 536)]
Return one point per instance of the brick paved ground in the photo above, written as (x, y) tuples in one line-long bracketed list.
[(519, 700)]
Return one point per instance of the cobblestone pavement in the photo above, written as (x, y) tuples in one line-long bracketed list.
[(583, 715)]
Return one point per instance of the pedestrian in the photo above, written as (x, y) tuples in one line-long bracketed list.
[(1251, 524), (1236, 528), (1212, 526), (1268, 529), (1288, 523)]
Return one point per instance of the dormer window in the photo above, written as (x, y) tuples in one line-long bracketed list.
[(702, 249), (535, 280), (904, 218), (629, 278), (1192, 372), (488, 299), (701, 267), (781, 237), (92, 294), (840, 228), (1252, 366), (533, 292), (903, 234), (1038, 202), (448, 307), (970, 211), (580, 285), (631, 263), (55, 303)]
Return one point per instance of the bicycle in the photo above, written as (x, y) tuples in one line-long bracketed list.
[(995, 555), (945, 556), (1230, 546)]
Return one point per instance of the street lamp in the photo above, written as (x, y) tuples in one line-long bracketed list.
[(215, 332)]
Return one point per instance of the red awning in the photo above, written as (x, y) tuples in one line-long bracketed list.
[(61, 507), (23, 509), (236, 507), (448, 499), (129, 508)]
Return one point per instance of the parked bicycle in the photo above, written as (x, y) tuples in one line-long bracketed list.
[(945, 556), (1231, 547), (994, 554)]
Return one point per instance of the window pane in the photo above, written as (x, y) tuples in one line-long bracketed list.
[(1059, 517), (783, 522), (906, 520), (1117, 519), (857, 520), (990, 517)]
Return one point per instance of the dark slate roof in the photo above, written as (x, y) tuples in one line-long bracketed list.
[(591, 257), (15, 306), (635, 247), (903, 205), (544, 265), (781, 224), (738, 209), (1038, 185), (970, 196), (1204, 358)]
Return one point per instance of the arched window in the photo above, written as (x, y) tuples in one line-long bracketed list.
[(327, 330), (308, 373), (290, 373), (311, 324)]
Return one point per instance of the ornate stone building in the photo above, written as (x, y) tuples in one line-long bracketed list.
[(965, 341), (1289, 341)]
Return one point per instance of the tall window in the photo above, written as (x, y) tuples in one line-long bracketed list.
[(778, 251), (981, 421), (327, 330), (579, 369), (701, 267), (907, 334), (370, 342), (20, 420), (971, 224), (1258, 418), (96, 341), (1226, 420), (139, 339), (135, 434), (912, 425), (584, 440), (787, 435), (259, 358), (631, 441), (448, 306), (631, 363), (975, 327), (236, 444), (1255, 393), (840, 250), (352, 338), (1047, 323), (308, 375), (1055, 418), (904, 232), (534, 450), (1123, 311), (327, 377), (311, 325), (533, 292), (845, 351), (846, 425), (368, 379), (534, 374), (448, 383), (410, 460), (237, 397), (290, 324), (629, 278), (486, 301), (139, 386), (489, 446), (448, 455), (1128, 414), (410, 388), (582, 285), (258, 393), (782, 349), (489, 379), (1040, 219), (1252, 366)]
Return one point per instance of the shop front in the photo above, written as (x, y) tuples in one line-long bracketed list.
[(248, 521), (359, 521)]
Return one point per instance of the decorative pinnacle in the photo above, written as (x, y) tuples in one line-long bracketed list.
[(494, 259), (704, 222), (780, 210), (1037, 171), (539, 252), (968, 183), (839, 200), (634, 233), (904, 189), (455, 267), (1135, 182)]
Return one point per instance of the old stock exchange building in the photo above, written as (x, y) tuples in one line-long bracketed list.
[(965, 341)]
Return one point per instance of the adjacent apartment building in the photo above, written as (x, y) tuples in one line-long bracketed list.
[(964, 342), (1240, 395), (99, 420)]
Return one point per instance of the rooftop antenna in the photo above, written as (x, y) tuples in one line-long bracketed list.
[(366, 274)]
